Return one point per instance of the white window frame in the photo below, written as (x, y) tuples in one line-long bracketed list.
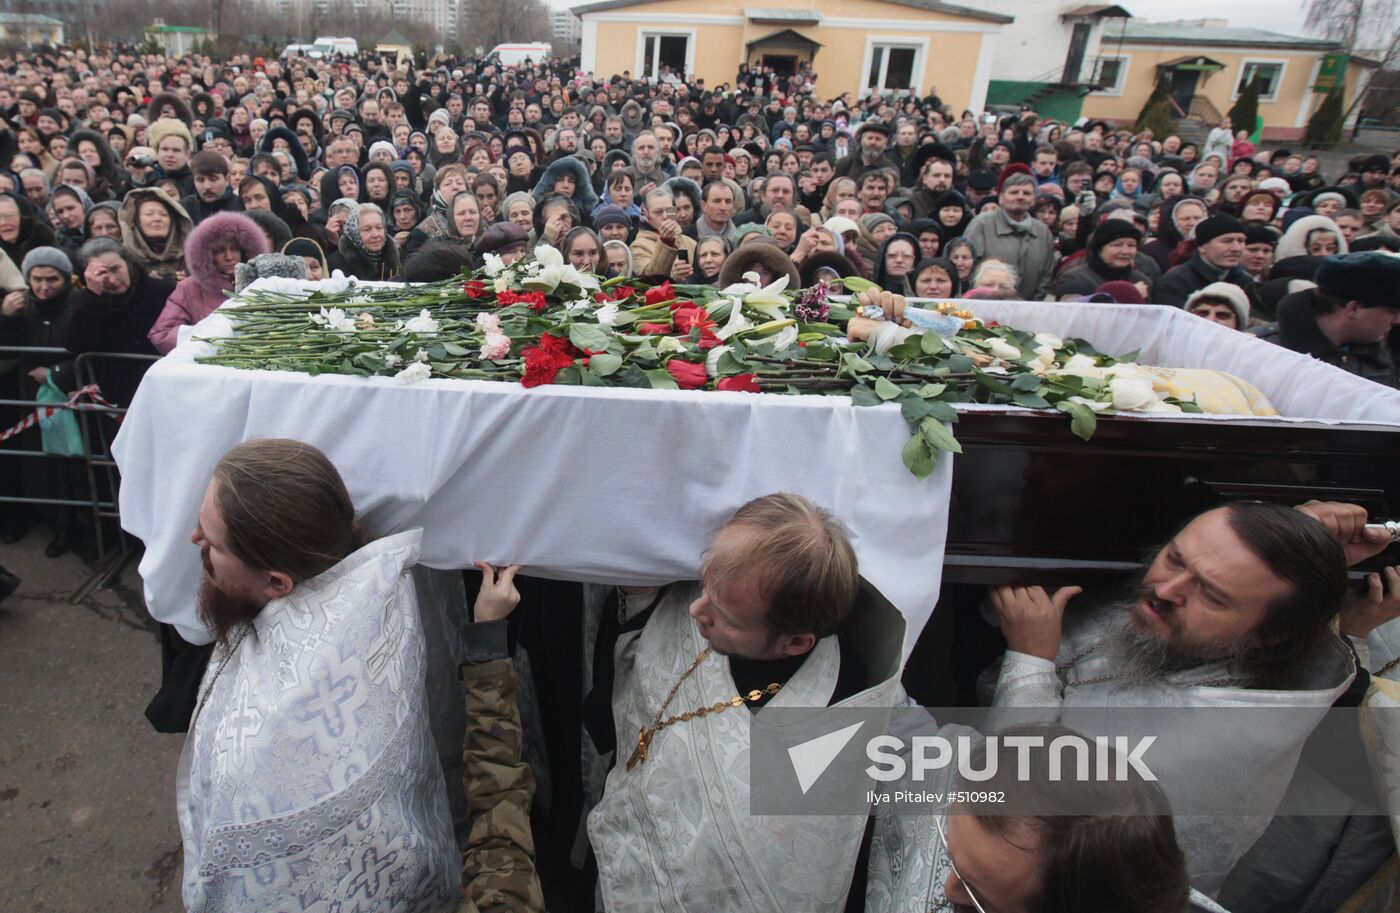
[(1245, 64), (920, 47), (658, 34), (1124, 61)]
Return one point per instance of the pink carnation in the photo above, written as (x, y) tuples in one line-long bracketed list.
[(488, 322), (496, 346)]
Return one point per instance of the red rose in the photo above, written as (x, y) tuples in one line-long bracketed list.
[(475, 289), (739, 383), (687, 375), (686, 317), (661, 294), (654, 329)]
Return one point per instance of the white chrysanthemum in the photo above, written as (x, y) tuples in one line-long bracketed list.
[(493, 265), (606, 315), (548, 256), (338, 320)]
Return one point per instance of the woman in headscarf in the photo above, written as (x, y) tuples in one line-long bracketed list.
[(894, 265), (20, 229), (961, 253), (405, 211), (378, 181), (114, 312), (875, 228), (69, 207), (101, 221), (366, 251), (154, 230), (464, 220), (450, 180), (311, 254)]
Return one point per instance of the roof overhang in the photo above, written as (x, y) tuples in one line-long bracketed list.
[(1200, 63), (1097, 11), (786, 36)]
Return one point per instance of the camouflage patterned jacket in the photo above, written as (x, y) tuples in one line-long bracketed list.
[(498, 862)]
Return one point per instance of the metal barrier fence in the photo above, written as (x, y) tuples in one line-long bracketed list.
[(100, 473)]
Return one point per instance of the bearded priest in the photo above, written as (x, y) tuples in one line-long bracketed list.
[(770, 623), (309, 779), (1228, 642)]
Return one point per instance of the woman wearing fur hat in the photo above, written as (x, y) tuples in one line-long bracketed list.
[(366, 251), (214, 249), (1109, 257)]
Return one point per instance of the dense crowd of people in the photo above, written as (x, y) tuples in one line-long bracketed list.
[(136, 192)]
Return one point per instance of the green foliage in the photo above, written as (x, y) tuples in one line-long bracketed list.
[(1245, 113), (1156, 114), (1325, 125)]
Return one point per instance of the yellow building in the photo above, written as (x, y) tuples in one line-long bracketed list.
[(1208, 65), (854, 46), (30, 29)]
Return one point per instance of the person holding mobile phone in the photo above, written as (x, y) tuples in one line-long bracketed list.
[(660, 241)]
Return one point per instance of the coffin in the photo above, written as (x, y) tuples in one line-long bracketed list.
[(610, 485), (1032, 501)]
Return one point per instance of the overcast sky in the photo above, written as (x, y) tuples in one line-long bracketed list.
[(1284, 16)]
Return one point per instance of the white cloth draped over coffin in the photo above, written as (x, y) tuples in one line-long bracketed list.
[(309, 781), (576, 483), (620, 485)]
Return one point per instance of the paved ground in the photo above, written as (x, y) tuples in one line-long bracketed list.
[(87, 794)]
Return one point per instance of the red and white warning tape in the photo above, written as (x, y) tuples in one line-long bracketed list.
[(91, 391)]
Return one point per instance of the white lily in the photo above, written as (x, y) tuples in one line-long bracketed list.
[(423, 324), (736, 323), (1003, 349), (413, 373), (318, 319), (768, 300), (784, 338), (493, 265)]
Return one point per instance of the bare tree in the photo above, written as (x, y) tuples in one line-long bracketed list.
[(487, 23), (1357, 25)]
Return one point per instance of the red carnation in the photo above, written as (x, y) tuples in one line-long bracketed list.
[(654, 329), (740, 383), (535, 300), (475, 288), (661, 294), (621, 293), (687, 375), (544, 361)]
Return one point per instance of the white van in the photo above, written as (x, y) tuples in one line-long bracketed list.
[(297, 50), (327, 46), (513, 55)]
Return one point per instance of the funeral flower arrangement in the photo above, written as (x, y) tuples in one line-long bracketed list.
[(540, 321)]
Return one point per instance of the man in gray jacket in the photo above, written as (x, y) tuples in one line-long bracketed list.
[(1012, 234)]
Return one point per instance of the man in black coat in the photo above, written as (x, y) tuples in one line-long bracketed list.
[(1220, 242), (1346, 319)]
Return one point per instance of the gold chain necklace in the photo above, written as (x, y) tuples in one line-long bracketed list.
[(647, 733)]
